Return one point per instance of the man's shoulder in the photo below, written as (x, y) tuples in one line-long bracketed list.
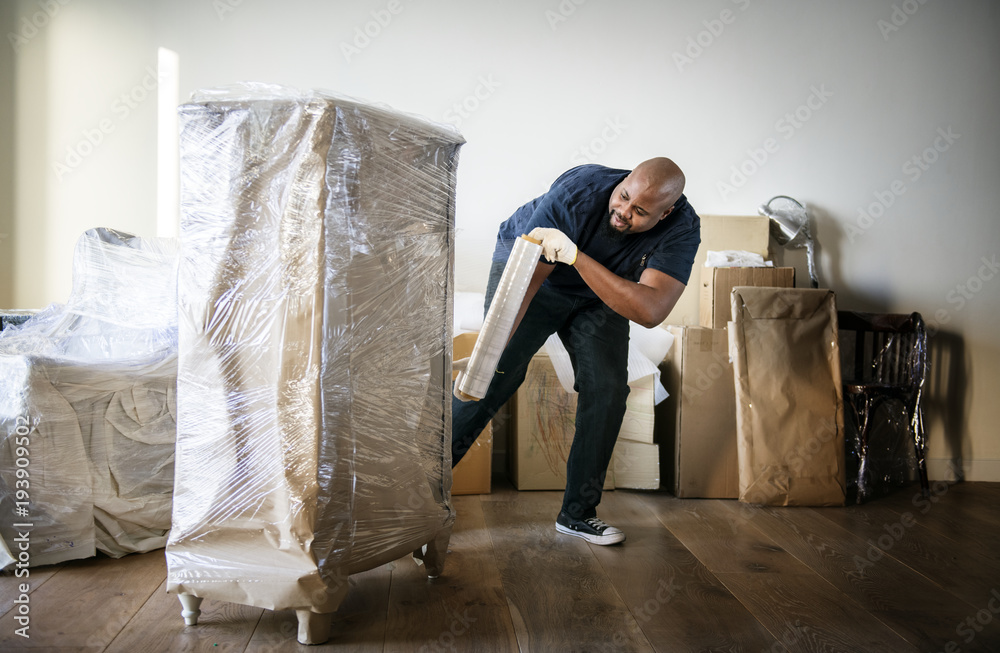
[(589, 176), (684, 216)]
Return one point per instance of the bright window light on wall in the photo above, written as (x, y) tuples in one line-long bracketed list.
[(167, 147)]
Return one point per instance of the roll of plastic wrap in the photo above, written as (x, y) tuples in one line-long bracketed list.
[(475, 380)]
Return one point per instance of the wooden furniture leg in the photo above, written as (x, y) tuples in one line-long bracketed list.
[(314, 628), (190, 608)]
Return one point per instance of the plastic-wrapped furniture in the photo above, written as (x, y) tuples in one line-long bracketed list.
[(885, 368), (87, 408), (314, 387)]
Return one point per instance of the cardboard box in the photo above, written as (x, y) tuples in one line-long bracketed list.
[(472, 475), (717, 285), (696, 425), (544, 422), (789, 407), (719, 232)]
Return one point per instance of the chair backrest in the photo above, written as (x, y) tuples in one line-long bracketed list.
[(888, 349)]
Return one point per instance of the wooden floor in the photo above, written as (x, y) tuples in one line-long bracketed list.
[(898, 574)]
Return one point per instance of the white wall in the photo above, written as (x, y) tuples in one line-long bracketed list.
[(560, 82)]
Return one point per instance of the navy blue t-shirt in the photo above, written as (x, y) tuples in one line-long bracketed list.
[(578, 204)]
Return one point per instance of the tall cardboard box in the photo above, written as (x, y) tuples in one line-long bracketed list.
[(717, 285), (789, 404), (697, 422), (473, 473)]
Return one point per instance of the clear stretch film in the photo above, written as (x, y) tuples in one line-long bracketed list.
[(475, 380)]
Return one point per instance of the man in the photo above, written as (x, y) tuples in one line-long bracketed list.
[(620, 245)]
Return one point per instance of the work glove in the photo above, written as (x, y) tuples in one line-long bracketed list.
[(459, 366), (556, 246)]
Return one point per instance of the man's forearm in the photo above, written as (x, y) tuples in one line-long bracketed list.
[(638, 302)]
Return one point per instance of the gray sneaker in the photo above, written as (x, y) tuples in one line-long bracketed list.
[(591, 529)]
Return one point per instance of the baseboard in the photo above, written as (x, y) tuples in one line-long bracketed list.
[(946, 469)]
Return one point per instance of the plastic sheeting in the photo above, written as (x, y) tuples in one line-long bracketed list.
[(87, 408), (884, 362), (314, 393), (473, 383)]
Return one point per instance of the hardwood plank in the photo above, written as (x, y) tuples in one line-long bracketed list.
[(961, 570), (88, 602), (877, 582), (559, 596), (677, 602), (158, 626), (465, 608), (10, 585), (358, 625), (980, 498), (721, 541), (501, 489), (807, 614), (950, 513)]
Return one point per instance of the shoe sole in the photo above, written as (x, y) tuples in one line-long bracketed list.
[(603, 540)]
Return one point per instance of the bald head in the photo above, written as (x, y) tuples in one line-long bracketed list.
[(646, 196), (662, 176)]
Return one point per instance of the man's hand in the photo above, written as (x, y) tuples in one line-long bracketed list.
[(556, 246)]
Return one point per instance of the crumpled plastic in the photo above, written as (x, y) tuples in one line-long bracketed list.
[(87, 408)]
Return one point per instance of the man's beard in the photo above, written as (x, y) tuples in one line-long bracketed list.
[(610, 232)]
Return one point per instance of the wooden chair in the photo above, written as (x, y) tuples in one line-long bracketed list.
[(884, 366)]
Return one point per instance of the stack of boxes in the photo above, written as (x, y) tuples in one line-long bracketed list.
[(696, 425)]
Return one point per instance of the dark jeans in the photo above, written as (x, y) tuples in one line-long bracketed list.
[(597, 341)]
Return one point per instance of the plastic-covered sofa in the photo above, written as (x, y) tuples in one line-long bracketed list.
[(87, 409)]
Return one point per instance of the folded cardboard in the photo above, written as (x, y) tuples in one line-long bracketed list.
[(719, 232), (544, 422), (717, 287), (789, 407), (636, 465), (697, 422), (637, 425), (472, 474)]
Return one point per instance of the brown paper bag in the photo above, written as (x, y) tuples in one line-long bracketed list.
[(789, 406)]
